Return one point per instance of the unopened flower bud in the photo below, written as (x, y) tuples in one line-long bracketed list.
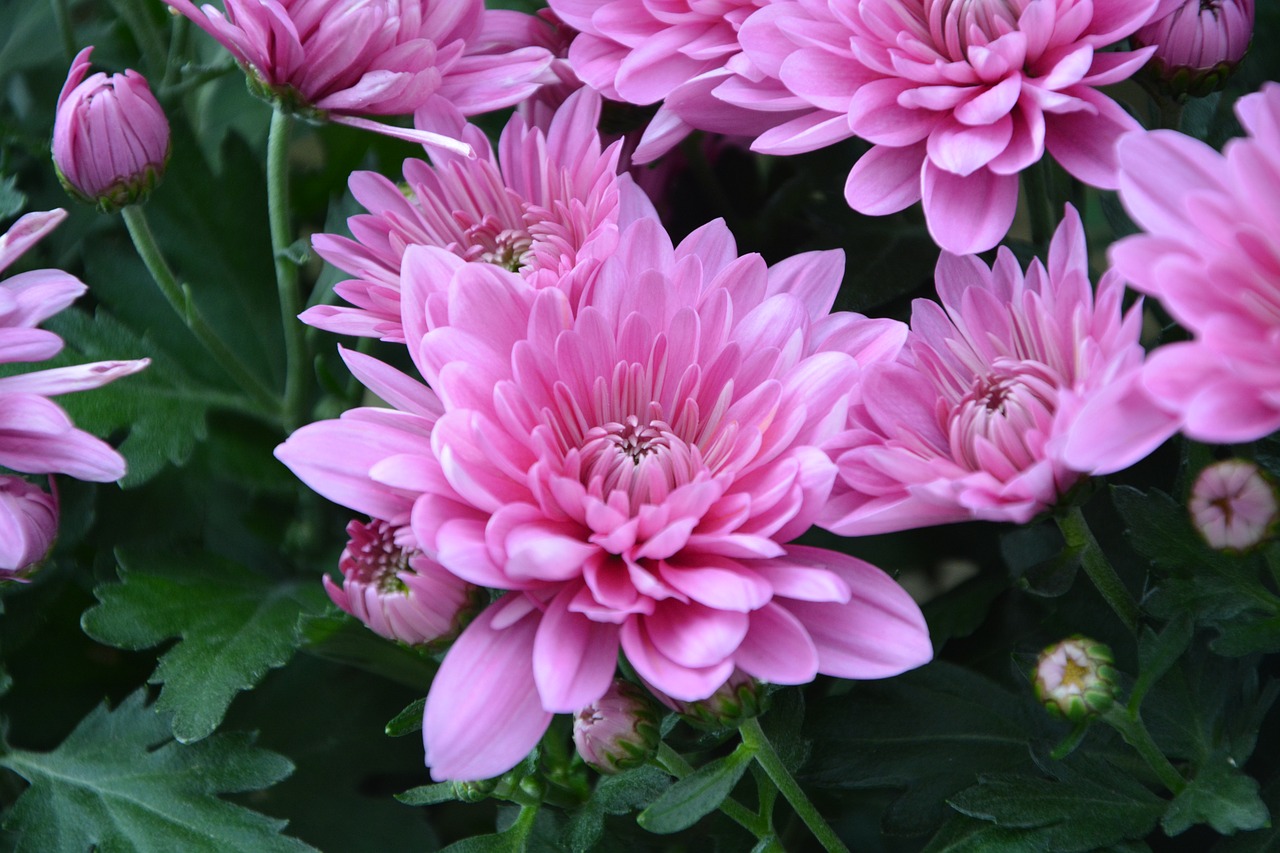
[(110, 137), (1233, 505), (1075, 678), (1198, 44), (619, 730), (394, 588), (28, 524), (739, 699)]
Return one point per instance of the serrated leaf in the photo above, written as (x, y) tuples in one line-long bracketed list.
[(1160, 530), (1157, 653), (1221, 796), (428, 795), (120, 783), (614, 795), (233, 628), (338, 637), (696, 795), (407, 721)]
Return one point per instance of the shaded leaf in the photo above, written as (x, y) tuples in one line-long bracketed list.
[(696, 795), (1221, 796), (338, 637), (118, 782), (428, 795), (234, 627), (614, 795), (409, 720)]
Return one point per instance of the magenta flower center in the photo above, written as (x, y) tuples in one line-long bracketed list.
[(493, 242), (1008, 410), (645, 460), (373, 557), (954, 25)]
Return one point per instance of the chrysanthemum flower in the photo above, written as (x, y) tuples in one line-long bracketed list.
[(1233, 505), (1198, 43), (36, 436), (957, 96), (650, 51), (547, 205), (972, 420), (629, 468), (28, 525), (343, 59), (1211, 255)]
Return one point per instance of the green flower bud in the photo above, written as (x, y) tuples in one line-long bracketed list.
[(1075, 678)]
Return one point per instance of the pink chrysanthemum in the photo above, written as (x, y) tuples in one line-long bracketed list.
[(1211, 255), (647, 51), (1198, 42), (28, 525), (342, 59), (957, 96), (1233, 505), (972, 420), (548, 205), (629, 468), (36, 436)]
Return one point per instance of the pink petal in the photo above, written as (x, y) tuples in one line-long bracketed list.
[(574, 658)]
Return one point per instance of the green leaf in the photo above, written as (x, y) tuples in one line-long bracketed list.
[(234, 627), (1081, 811), (12, 200), (119, 783), (409, 720), (338, 637), (963, 834), (1160, 530), (1246, 636), (1221, 796), (614, 795), (428, 795), (1158, 653), (696, 795)]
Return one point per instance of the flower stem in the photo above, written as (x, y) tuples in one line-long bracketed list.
[(1037, 191), (1130, 726), (673, 762), (179, 299), (286, 269), (1078, 535), (754, 737)]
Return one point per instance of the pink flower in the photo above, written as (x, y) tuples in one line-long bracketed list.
[(341, 59), (548, 204), (629, 467), (395, 589), (1211, 255), (28, 525), (647, 51), (619, 730), (972, 420), (36, 436), (110, 137), (1198, 42), (956, 96), (1233, 505)]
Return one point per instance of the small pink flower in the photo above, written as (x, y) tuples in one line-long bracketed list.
[(619, 730), (1198, 43), (651, 51), (395, 589), (28, 525), (110, 137), (1211, 255), (957, 97), (36, 436), (974, 419), (547, 205), (1233, 505), (342, 59), (628, 467)]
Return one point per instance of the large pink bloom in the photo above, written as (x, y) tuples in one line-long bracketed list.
[(36, 436), (972, 420), (1211, 255), (647, 51), (957, 96), (628, 466), (348, 58), (547, 204)]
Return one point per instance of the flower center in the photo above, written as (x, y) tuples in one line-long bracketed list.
[(1009, 411), (646, 460), (491, 242), (373, 557), (957, 24)]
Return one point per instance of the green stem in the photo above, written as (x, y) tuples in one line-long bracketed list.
[(1170, 113), (524, 824), (1078, 535), (1037, 192), (65, 32), (754, 737), (1134, 732), (673, 762), (179, 299), (286, 270)]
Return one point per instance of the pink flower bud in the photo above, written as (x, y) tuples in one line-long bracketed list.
[(1075, 678), (619, 730), (395, 589), (28, 524), (1233, 505), (110, 137), (1198, 43)]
